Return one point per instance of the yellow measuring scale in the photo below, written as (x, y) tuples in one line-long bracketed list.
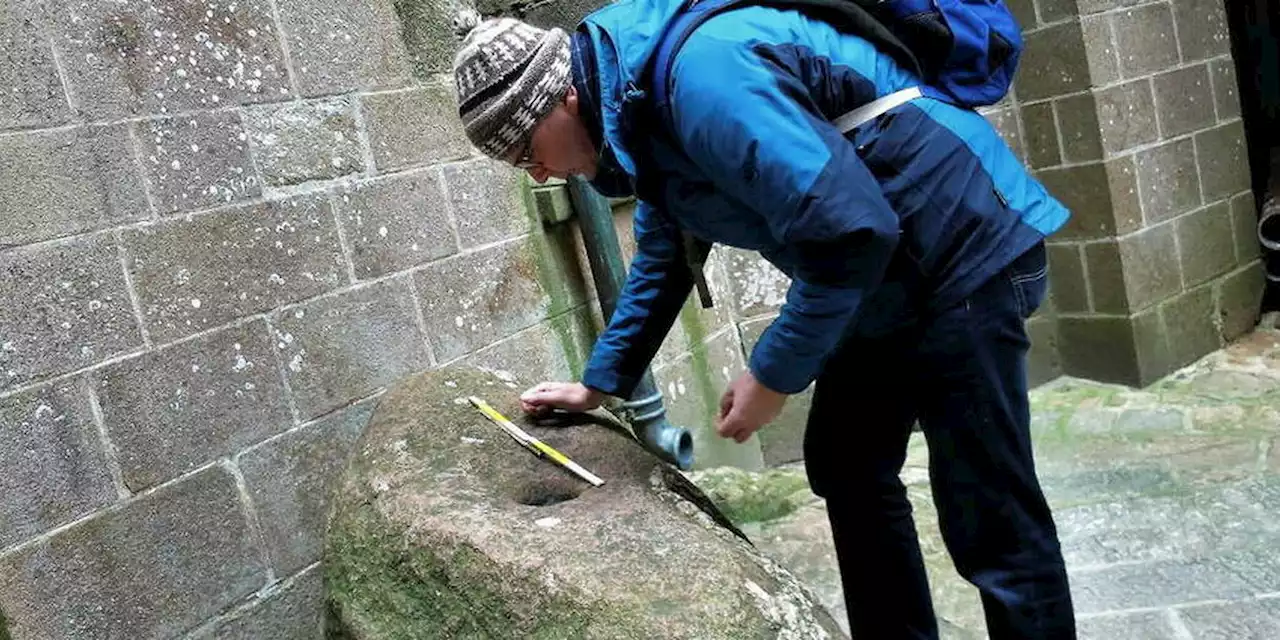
[(538, 447)]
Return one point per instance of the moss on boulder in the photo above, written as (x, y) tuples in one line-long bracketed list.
[(748, 496), (443, 527)]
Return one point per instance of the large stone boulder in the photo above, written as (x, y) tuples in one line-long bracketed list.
[(444, 527)]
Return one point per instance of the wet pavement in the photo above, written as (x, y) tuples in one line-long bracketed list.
[(1167, 501)]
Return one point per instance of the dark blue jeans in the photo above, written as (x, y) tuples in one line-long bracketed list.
[(962, 374)]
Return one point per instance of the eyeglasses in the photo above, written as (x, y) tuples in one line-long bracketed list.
[(524, 160)]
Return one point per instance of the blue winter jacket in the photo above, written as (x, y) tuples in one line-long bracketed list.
[(903, 217)]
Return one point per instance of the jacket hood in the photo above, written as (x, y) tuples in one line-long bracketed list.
[(623, 36)]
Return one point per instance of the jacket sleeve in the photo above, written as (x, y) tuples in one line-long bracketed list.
[(751, 124), (658, 284)]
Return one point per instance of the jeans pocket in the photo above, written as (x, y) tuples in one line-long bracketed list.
[(1029, 278)]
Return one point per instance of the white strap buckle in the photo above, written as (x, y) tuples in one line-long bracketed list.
[(869, 111)]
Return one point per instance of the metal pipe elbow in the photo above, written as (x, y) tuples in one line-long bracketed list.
[(672, 443)]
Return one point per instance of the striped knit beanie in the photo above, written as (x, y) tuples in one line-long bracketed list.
[(509, 74)]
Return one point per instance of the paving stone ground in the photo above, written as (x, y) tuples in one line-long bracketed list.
[(1167, 501)]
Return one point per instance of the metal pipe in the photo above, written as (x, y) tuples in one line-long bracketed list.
[(648, 416), (1269, 226)]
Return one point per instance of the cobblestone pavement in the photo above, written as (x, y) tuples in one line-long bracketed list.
[(1167, 500)]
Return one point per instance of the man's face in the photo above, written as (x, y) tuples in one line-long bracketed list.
[(559, 146)]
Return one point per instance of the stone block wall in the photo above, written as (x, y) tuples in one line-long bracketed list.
[(225, 229), (1131, 117), (228, 227)]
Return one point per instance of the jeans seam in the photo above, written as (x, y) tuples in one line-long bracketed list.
[(1019, 278), (1019, 299)]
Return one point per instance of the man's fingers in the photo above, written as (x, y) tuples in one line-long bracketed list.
[(734, 426), (541, 387), (722, 426), (726, 402), (729, 425)]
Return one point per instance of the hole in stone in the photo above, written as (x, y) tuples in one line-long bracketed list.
[(545, 494)]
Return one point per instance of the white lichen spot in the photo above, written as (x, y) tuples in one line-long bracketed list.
[(450, 383), (94, 305), (295, 364), (400, 448), (241, 364), (382, 231), (459, 321), (195, 303), (276, 279), (756, 590), (470, 440), (680, 387), (547, 523)]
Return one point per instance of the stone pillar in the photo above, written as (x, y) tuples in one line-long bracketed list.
[(1130, 116)]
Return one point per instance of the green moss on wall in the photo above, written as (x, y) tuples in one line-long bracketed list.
[(577, 336), (559, 275), (4, 627), (705, 387)]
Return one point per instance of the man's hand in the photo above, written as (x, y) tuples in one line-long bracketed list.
[(746, 406), (570, 396)]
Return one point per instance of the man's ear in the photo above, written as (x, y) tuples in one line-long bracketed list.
[(571, 100)]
